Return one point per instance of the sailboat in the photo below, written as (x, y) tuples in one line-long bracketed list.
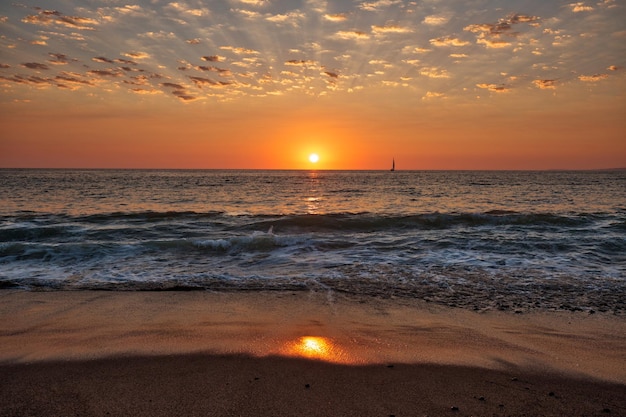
[(393, 165)]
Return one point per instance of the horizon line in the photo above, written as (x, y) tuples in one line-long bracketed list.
[(309, 169)]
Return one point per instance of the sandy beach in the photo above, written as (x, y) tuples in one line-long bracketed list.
[(300, 353)]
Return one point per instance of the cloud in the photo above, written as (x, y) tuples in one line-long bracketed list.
[(609, 4), (31, 80), (436, 20), (106, 73), (613, 68), (593, 78), (383, 30), (448, 41), (130, 69), (415, 49), (493, 43), (494, 87), (74, 36), (433, 95), (488, 28), (430, 40), (201, 82), (411, 61), (239, 50), (54, 17), (248, 14), (158, 35), (580, 7), (111, 14), (492, 34), (124, 61), (257, 3), (300, 63), (184, 96), (184, 8), (434, 72), (545, 84), (106, 14), (502, 26), (222, 72), (340, 17), (172, 85), (71, 81), (72, 78), (102, 60), (58, 59), (138, 80), (137, 55), (291, 18), (144, 91), (374, 6), (213, 58), (41, 41), (35, 66), (351, 35), (520, 18)]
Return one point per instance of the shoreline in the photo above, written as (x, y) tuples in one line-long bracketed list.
[(81, 351)]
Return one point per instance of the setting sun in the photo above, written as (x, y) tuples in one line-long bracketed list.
[(313, 158)]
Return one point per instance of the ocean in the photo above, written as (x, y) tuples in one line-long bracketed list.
[(480, 240)]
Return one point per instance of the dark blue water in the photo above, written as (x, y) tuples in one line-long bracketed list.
[(480, 240)]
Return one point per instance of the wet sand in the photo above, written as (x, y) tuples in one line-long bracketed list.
[(244, 354)]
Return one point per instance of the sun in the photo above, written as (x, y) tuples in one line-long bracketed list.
[(313, 158)]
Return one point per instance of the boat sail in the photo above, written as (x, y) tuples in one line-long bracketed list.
[(393, 165)]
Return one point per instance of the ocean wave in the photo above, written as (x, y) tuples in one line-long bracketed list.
[(222, 232), (57, 223), (371, 222), (97, 218), (356, 253), (257, 241), (22, 232), (79, 250)]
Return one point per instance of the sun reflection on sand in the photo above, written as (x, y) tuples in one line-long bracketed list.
[(316, 347)]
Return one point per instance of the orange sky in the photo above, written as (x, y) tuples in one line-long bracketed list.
[(262, 84)]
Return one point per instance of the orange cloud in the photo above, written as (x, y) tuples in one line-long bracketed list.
[(593, 78), (448, 41), (340, 17), (580, 7), (494, 87), (545, 84), (35, 66), (352, 35), (54, 17)]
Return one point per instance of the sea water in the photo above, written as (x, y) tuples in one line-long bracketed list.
[(481, 240)]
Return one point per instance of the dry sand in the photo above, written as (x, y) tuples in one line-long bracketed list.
[(244, 354)]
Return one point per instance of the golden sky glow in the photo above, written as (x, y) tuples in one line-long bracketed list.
[(437, 84)]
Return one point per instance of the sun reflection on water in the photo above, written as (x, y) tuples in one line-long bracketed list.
[(313, 200), (315, 347)]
